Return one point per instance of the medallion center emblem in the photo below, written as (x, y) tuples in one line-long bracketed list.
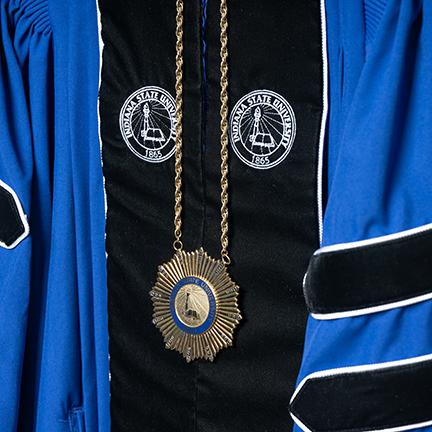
[(194, 304)]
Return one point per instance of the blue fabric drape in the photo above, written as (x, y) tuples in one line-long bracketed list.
[(379, 159), (53, 336)]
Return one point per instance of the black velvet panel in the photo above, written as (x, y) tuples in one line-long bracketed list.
[(371, 275), (363, 401), (273, 217), (11, 225)]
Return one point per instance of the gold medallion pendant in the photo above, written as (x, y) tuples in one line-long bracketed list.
[(195, 305)]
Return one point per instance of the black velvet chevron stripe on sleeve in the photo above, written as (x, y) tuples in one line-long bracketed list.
[(371, 276), (379, 397)]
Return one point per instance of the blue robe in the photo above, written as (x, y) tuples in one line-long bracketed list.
[(53, 308), (53, 330), (379, 174)]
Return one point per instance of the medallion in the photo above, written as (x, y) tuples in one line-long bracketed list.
[(195, 305)]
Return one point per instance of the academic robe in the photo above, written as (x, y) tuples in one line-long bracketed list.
[(330, 125)]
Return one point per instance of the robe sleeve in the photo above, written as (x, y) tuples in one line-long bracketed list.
[(53, 329), (367, 361), (24, 178)]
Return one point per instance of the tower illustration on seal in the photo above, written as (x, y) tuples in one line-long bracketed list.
[(188, 310), (263, 141), (153, 135)]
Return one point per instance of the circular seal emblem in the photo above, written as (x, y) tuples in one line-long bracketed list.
[(193, 305), (148, 122), (262, 129)]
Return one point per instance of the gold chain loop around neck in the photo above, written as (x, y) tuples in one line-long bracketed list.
[(224, 129), (178, 245)]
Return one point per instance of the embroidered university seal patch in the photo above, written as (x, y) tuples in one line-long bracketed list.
[(147, 123), (262, 129)]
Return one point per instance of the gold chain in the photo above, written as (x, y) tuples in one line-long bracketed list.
[(178, 245), (224, 129)]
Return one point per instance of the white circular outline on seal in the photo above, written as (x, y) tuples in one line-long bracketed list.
[(172, 129), (293, 129)]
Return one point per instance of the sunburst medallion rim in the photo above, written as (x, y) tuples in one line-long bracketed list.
[(219, 334)]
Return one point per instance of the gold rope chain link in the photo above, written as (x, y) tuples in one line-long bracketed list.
[(178, 245)]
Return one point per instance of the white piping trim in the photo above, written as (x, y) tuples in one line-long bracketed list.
[(299, 423), (22, 216), (101, 48), (323, 119), (373, 309), (363, 368), (375, 240)]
